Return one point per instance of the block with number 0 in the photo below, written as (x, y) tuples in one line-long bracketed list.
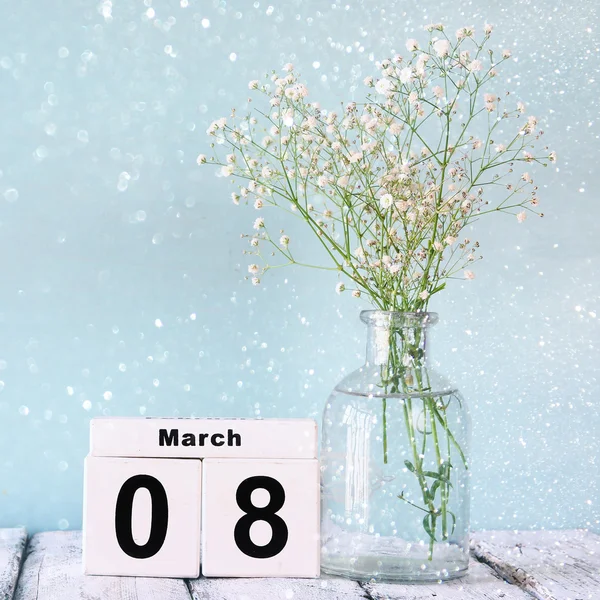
[(142, 517), (260, 518)]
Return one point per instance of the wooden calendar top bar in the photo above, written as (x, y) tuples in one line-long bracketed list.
[(203, 438)]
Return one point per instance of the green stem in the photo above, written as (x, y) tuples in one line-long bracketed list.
[(385, 445)]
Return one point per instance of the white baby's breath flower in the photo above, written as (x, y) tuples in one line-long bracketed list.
[(521, 107), (227, 170), (340, 287), (406, 75), (368, 81), (434, 26), (266, 172), (230, 158), (500, 148), (288, 67), (487, 29), (396, 128), (201, 159), (253, 268), (450, 240), (288, 117), (441, 48), (254, 242), (284, 241), (258, 204), (438, 91), (343, 181), (360, 254), (424, 295), (235, 198), (552, 157), (475, 65), (253, 85), (469, 275), (383, 86), (255, 281), (521, 216), (526, 177), (259, 223), (506, 53), (412, 45), (386, 201), (356, 293)]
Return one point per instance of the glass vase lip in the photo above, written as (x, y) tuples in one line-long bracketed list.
[(390, 318)]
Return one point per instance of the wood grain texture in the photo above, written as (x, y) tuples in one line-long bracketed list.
[(480, 583), (276, 589), (554, 565), (12, 545), (53, 571), (550, 565)]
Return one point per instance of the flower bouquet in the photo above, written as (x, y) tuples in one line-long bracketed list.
[(388, 186)]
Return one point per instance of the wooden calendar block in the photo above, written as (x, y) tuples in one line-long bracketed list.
[(203, 438), (142, 517), (260, 518)]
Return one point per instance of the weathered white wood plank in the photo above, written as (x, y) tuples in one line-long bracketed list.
[(480, 583), (550, 565), (12, 544), (52, 571), (275, 589)]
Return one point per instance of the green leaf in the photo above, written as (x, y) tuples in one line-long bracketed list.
[(436, 476), (427, 527), (452, 438), (409, 466), (433, 490), (439, 288), (453, 521)]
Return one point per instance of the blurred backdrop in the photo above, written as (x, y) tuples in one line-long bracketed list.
[(122, 288)]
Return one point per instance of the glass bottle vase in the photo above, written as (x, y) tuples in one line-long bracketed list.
[(395, 462)]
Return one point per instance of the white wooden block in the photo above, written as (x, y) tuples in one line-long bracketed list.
[(203, 438), (142, 517), (260, 518)]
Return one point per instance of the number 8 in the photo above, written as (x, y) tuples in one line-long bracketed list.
[(253, 514)]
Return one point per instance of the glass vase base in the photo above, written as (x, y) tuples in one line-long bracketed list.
[(391, 569)]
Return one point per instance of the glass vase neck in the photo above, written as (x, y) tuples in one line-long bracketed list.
[(398, 337)]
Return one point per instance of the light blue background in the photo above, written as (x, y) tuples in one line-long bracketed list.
[(108, 224)]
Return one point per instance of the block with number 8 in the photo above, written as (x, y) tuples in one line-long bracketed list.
[(260, 518)]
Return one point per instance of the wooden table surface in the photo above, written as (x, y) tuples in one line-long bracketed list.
[(508, 565)]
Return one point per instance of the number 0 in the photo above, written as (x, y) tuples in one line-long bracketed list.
[(160, 516), (267, 513)]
